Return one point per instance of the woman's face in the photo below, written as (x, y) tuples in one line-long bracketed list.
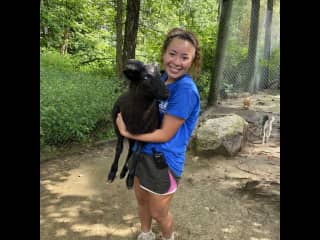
[(178, 58)]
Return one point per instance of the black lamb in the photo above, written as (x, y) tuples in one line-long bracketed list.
[(139, 108)]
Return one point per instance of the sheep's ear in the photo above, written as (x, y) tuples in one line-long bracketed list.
[(133, 69)]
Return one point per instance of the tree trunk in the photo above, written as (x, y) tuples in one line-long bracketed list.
[(218, 64), (64, 44), (131, 30), (253, 40), (119, 43), (267, 45)]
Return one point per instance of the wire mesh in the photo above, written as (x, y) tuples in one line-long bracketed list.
[(252, 61)]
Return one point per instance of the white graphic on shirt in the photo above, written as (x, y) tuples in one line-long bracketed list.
[(163, 106)]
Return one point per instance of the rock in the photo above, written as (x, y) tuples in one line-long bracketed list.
[(223, 135)]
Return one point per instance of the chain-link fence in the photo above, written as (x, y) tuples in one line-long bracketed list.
[(252, 61)]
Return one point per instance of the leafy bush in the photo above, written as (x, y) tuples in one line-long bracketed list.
[(203, 84), (54, 62), (72, 103)]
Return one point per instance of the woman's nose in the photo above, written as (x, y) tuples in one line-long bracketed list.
[(177, 60)]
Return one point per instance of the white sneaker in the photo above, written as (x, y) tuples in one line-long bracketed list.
[(146, 236), (171, 238)]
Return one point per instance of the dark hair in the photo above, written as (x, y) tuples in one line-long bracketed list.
[(190, 37)]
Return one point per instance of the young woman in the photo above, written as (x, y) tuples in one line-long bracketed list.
[(162, 158)]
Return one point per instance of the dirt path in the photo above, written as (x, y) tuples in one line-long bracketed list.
[(218, 198)]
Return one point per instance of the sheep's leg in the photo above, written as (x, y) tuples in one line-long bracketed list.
[(125, 166), (269, 133), (114, 166), (130, 177), (132, 170), (264, 135)]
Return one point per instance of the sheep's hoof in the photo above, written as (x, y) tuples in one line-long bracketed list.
[(123, 172), (129, 182), (111, 177)]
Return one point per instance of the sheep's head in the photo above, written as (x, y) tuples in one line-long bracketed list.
[(146, 79)]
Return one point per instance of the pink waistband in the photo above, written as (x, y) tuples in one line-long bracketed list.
[(173, 184)]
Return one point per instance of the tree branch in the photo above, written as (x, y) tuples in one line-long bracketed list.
[(94, 59)]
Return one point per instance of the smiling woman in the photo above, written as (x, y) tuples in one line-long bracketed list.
[(161, 162)]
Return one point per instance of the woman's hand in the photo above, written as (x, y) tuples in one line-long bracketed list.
[(121, 125)]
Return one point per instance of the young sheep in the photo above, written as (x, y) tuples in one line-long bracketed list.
[(139, 108), (266, 130)]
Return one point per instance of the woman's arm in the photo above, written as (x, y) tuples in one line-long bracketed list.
[(170, 125)]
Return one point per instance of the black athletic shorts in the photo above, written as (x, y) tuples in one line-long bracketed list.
[(161, 181)]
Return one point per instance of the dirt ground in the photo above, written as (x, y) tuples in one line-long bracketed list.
[(218, 198)]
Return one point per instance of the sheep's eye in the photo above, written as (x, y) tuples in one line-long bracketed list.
[(146, 77)]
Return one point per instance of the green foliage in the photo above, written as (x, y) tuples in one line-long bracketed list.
[(72, 103), (273, 64), (54, 62), (203, 84), (235, 53), (88, 23), (275, 57)]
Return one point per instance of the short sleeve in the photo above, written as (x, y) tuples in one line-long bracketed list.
[(182, 103)]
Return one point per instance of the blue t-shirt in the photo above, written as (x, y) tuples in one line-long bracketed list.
[(183, 102)]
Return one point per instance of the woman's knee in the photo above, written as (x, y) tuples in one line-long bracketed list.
[(159, 215)]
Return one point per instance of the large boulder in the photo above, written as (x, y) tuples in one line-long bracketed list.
[(224, 135)]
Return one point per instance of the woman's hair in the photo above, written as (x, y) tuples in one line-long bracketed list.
[(190, 37)]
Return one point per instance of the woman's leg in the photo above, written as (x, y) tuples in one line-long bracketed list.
[(159, 210), (142, 197)]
